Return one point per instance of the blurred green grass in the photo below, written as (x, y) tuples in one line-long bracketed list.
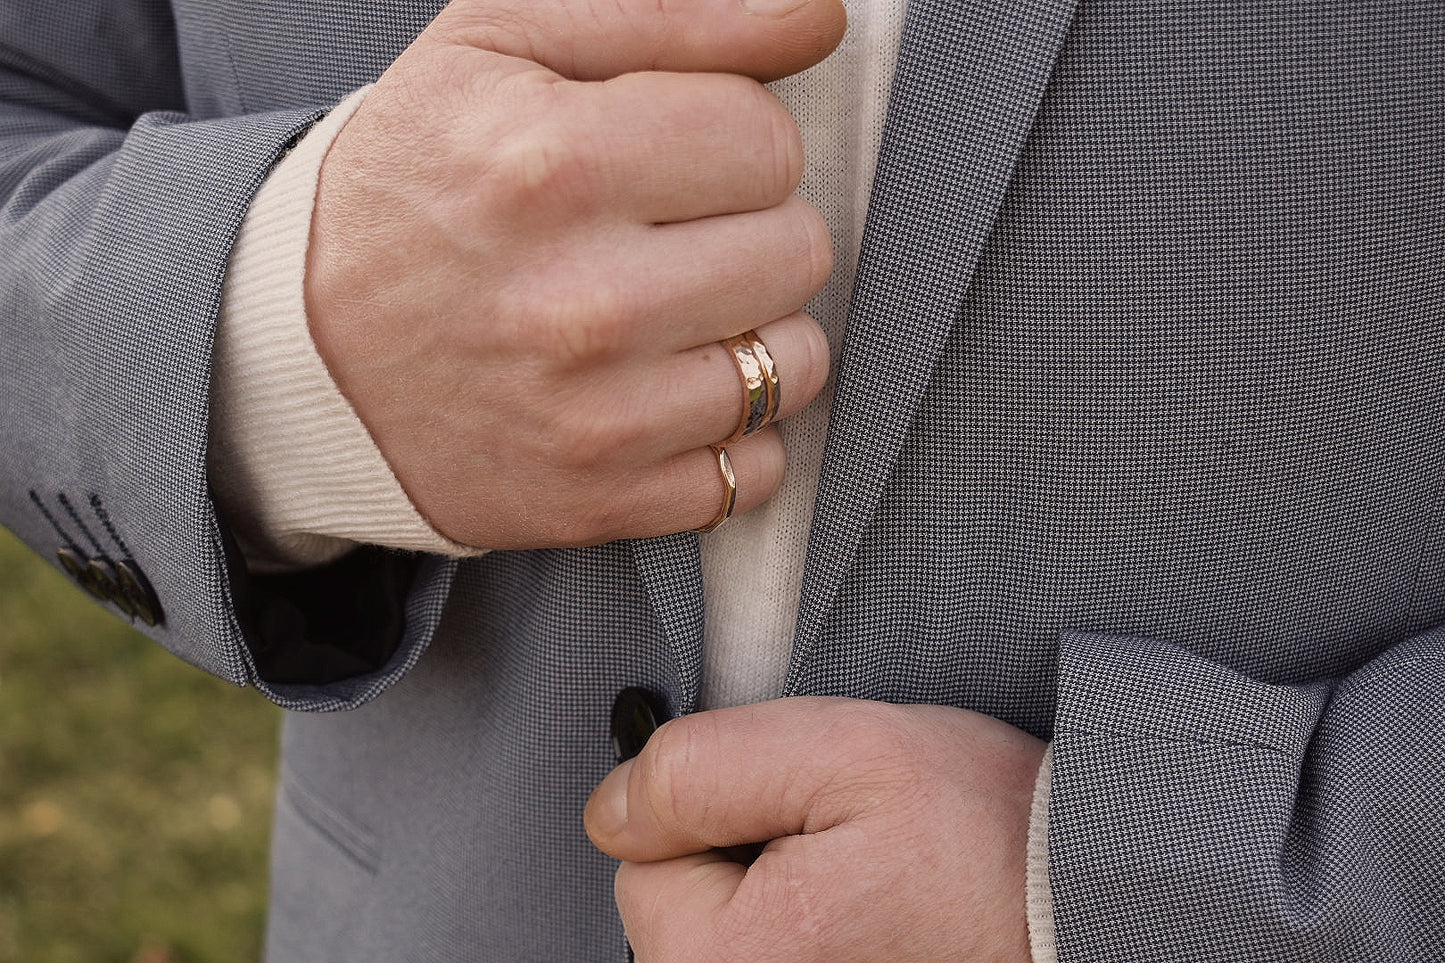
[(135, 791)]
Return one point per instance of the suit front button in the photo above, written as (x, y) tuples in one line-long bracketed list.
[(636, 714)]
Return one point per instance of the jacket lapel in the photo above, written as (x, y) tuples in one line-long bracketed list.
[(969, 80), (671, 569)]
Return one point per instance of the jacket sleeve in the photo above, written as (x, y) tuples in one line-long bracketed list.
[(118, 211), (1200, 814)]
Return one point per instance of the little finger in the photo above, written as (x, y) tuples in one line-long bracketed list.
[(743, 476), (685, 492)]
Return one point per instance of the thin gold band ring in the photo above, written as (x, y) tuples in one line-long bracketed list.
[(730, 493)]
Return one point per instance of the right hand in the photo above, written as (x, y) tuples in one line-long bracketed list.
[(529, 240)]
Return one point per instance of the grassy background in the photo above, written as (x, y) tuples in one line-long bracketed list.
[(135, 791)]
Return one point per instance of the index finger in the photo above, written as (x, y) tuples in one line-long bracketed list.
[(599, 39)]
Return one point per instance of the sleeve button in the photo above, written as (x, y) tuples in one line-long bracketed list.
[(138, 592)]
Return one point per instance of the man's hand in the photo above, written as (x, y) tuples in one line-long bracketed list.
[(893, 833), (530, 238)]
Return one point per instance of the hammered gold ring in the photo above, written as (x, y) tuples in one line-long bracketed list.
[(730, 490), (761, 391)]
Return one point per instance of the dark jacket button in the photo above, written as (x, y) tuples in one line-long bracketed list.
[(137, 590), (74, 564), (636, 714), (79, 568), (103, 577), (120, 583)]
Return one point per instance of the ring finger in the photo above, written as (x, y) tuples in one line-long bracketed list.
[(702, 398)]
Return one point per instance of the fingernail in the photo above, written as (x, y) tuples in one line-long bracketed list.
[(607, 809), (772, 8)]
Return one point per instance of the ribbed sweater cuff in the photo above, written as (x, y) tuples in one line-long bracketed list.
[(1038, 895), (295, 472)]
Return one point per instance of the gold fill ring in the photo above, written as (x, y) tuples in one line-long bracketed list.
[(761, 391), (730, 495)]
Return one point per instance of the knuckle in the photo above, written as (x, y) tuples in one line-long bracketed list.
[(547, 164), (571, 326), (816, 245), (505, 29), (772, 465), (884, 761), (579, 523), (668, 767), (566, 493), (812, 361), (527, 164), (581, 517), (876, 733), (787, 149), (780, 144), (774, 143)]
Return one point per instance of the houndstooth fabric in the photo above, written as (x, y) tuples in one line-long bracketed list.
[(1137, 446)]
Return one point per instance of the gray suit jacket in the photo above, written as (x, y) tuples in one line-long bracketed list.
[(1138, 445)]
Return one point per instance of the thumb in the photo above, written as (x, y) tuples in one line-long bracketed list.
[(744, 775), (601, 39)]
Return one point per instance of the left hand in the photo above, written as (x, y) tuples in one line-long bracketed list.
[(893, 833)]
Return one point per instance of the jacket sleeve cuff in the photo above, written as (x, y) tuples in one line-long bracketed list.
[(1198, 810), (295, 472)]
